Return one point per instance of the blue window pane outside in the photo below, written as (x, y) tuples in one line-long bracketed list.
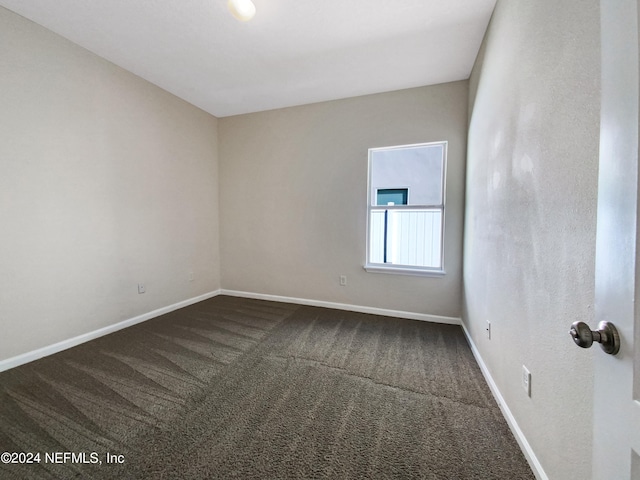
[(396, 196)]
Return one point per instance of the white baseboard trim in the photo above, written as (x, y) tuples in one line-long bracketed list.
[(528, 452), (344, 306), (72, 342)]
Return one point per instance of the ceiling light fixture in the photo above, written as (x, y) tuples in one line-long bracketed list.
[(243, 10)]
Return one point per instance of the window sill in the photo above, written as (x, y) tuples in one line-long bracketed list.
[(396, 270)]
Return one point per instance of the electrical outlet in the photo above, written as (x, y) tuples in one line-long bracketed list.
[(191, 277), (488, 329), (141, 288), (526, 380), (343, 280)]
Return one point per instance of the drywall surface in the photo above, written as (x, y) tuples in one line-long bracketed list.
[(530, 221), (105, 181), (294, 197)]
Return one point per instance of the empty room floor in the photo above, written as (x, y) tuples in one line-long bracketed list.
[(240, 388)]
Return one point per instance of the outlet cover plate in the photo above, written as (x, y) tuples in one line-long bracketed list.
[(526, 380)]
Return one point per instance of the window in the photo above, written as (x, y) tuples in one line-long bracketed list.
[(392, 196), (406, 209)]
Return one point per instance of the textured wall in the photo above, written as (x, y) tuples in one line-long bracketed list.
[(531, 217), (105, 181), (294, 197)]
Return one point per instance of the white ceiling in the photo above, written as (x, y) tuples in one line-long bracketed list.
[(293, 52)]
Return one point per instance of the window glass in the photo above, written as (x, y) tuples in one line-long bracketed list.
[(392, 196), (417, 168), (406, 208)]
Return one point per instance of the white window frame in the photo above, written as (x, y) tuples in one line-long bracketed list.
[(397, 268)]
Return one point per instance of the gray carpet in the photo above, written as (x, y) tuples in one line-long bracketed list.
[(237, 388)]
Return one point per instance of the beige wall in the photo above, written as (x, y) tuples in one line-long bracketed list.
[(531, 218), (293, 197), (105, 181)]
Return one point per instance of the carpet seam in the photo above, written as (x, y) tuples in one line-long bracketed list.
[(376, 382)]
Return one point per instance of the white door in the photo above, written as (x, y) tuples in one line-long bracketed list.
[(616, 454)]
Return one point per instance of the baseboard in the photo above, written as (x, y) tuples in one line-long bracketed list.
[(528, 452), (72, 342), (344, 306)]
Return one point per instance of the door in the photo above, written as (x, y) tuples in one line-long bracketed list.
[(616, 454)]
